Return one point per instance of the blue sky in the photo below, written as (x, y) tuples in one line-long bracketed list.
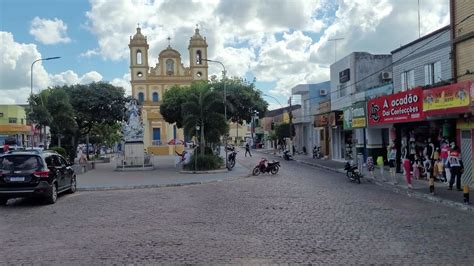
[(280, 43)]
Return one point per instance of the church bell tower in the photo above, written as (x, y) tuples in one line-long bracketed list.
[(198, 51)]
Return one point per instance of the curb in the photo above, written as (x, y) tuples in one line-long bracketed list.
[(401, 190), (157, 185), (205, 172)]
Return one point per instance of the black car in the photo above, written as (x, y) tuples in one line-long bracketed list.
[(32, 173)]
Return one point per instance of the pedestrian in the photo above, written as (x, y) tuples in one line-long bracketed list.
[(406, 168), (247, 150), (392, 157), (416, 168), (456, 166), (438, 170), (371, 166), (5, 147)]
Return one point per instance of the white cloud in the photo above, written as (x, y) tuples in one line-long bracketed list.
[(15, 64), (89, 53), (49, 31), (123, 82), (70, 77)]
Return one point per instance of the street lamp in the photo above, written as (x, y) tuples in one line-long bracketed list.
[(31, 84), (225, 102), (195, 149)]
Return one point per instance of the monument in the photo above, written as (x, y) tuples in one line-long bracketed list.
[(134, 157)]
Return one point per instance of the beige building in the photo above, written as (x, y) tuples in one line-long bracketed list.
[(238, 133), (150, 82), (462, 30)]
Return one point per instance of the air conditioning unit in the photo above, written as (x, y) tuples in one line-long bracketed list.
[(386, 75), (323, 92)]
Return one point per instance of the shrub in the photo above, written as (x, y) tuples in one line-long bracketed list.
[(207, 150), (205, 162), (59, 150)]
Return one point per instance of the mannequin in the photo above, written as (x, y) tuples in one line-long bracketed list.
[(429, 149)]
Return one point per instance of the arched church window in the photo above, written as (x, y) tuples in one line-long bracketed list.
[(169, 66), (198, 57), (141, 97), (139, 57), (155, 97)]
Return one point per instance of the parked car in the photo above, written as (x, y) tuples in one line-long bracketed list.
[(33, 173)]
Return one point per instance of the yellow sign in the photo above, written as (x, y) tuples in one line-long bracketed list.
[(452, 96), (358, 122)]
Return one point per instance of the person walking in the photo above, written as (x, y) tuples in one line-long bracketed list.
[(456, 166), (247, 150)]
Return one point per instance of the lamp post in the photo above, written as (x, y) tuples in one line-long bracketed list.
[(195, 148), (225, 102), (31, 84)]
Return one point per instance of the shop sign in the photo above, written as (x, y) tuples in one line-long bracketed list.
[(354, 116), (400, 107), (345, 75), (321, 120), (336, 118), (452, 98)]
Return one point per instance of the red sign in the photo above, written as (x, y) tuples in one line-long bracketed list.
[(401, 107)]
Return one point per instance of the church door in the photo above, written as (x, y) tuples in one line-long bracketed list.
[(156, 136)]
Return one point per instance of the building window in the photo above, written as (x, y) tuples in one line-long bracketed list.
[(1, 114), (198, 57), (12, 120), (22, 121), (342, 90), (155, 97), (407, 80), (139, 57), (141, 97), (433, 73), (169, 66)]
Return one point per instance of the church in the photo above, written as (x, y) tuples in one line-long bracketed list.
[(150, 82)]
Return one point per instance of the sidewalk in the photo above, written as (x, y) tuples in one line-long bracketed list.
[(104, 176), (420, 187)]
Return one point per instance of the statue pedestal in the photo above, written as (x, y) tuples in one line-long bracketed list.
[(134, 157), (134, 153)]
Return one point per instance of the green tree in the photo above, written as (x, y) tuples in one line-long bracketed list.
[(201, 108), (61, 112), (242, 99), (282, 131), (170, 108)]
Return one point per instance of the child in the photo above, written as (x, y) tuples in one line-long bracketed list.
[(416, 169), (439, 168)]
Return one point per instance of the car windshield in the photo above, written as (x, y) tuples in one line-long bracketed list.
[(19, 162)]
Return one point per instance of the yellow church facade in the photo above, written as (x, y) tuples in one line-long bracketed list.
[(150, 82)]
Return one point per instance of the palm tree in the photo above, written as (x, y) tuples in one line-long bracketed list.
[(202, 108)]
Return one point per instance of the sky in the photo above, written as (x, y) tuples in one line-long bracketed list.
[(279, 43)]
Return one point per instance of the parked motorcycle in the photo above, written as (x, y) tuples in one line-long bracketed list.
[(231, 159), (352, 172), (264, 166), (317, 152), (287, 155)]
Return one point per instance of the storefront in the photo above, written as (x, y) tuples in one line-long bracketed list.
[(354, 124), (321, 126), (339, 137), (397, 111)]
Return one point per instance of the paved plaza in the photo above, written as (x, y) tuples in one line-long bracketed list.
[(302, 215)]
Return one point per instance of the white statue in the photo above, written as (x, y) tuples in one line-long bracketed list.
[(133, 127)]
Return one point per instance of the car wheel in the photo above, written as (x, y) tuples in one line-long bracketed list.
[(256, 171), (53, 195), (73, 185), (3, 201)]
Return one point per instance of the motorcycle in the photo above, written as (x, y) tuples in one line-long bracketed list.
[(264, 166), (352, 172), (317, 152), (287, 156), (231, 159)]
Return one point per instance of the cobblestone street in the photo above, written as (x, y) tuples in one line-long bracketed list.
[(301, 215)]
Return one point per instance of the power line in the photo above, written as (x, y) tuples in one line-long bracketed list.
[(391, 64)]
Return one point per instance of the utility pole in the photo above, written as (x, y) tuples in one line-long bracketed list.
[(419, 23), (290, 116)]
